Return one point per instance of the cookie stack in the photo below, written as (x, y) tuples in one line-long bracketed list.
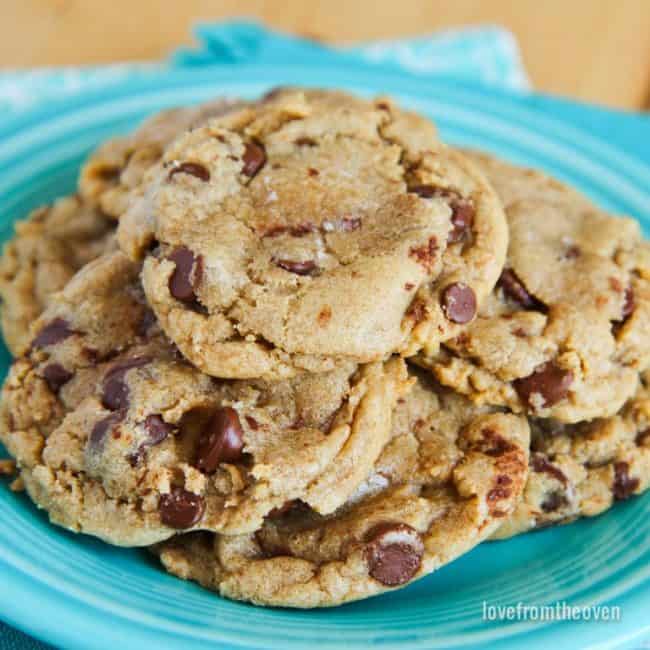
[(307, 353)]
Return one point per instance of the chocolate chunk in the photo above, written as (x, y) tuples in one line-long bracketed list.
[(624, 485), (56, 376), (254, 158), (181, 509), (299, 268), (54, 332), (115, 392), (541, 464), (102, 428), (549, 380), (186, 276), (554, 501), (222, 440), (514, 289), (459, 303), (191, 168), (393, 553)]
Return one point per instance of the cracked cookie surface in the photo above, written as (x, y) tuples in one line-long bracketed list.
[(567, 330), (446, 480), (581, 470), (47, 249), (309, 230), (117, 436), (118, 165)]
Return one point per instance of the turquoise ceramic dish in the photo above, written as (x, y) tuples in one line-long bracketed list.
[(77, 592)]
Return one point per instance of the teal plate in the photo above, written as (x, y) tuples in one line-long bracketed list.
[(76, 592)]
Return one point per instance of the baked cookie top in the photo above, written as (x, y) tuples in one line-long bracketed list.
[(446, 481), (118, 165), (48, 247), (310, 230), (116, 435), (581, 470), (567, 329)]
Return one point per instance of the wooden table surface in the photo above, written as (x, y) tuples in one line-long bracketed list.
[(597, 50)]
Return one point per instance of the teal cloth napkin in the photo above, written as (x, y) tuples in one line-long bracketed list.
[(487, 55)]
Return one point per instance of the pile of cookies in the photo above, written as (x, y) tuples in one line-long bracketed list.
[(307, 353)]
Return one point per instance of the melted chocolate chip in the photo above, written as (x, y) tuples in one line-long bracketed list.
[(181, 509), (222, 440), (624, 485), (498, 493), (193, 169), (299, 268), (541, 464), (554, 501), (393, 553), (459, 303), (103, 428), (115, 392), (425, 256), (424, 191), (549, 380), (514, 289), (54, 332), (254, 158), (187, 274), (493, 444), (56, 376)]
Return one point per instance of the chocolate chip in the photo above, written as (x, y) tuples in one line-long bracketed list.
[(102, 428), (494, 445), (462, 220), (514, 289), (629, 304), (157, 429), (54, 332), (56, 376), (305, 142), (459, 303), (313, 172), (424, 191), (554, 501), (115, 392), (498, 493), (549, 380), (193, 169), (181, 509), (146, 323), (254, 158), (393, 553), (187, 274), (541, 464), (642, 437), (222, 440), (624, 485), (299, 268)]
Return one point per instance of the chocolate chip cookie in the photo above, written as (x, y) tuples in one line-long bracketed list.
[(447, 479), (310, 230), (116, 435), (567, 330), (581, 470), (47, 249), (118, 165)]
